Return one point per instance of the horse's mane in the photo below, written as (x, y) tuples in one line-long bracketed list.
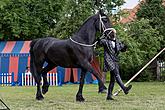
[(89, 18)]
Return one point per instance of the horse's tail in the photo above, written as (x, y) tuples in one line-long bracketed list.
[(32, 61)]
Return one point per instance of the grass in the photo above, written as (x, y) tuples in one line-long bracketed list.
[(143, 96)]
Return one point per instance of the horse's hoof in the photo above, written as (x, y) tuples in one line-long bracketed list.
[(104, 91), (80, 99), (45, 88), (39, 97)]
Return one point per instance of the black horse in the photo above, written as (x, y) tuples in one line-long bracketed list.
[(76, 52)]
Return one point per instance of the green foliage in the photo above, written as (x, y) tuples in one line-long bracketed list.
[(75, 12), (26, 19), (163, 75), (143, 42), (29, 19), (155, 12), (72, 16)]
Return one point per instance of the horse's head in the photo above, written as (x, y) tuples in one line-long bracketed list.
[(102, 23), (87, 32)]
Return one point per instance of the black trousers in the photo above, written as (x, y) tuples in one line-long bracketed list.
[(115, 75)]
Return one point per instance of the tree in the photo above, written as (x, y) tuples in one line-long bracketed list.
[(155, 12), (29, 19), (143, 42), (75, 12)]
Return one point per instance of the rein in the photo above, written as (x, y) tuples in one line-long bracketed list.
[(86, 45)]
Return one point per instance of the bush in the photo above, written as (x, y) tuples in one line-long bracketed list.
[(163, 75), (143, 42)]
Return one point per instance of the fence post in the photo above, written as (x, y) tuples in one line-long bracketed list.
[(59, 75), (0, 78), (6, 80), (12, 79), (19, 79), (23, 79), (54, 79), (158, 70), (56, 76)]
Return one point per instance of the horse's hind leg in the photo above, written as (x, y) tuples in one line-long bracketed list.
[(79, 96), (36, 63), (45, 86), (37, 67), (102, 87)]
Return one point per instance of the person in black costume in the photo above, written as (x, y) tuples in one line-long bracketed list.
[(112, 47)]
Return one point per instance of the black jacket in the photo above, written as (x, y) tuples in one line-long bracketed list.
[(111, 53)]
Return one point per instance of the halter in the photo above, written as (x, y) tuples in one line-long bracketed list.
[(108, 29), (101, 25)]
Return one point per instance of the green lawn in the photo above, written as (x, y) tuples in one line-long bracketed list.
[(143, 96)]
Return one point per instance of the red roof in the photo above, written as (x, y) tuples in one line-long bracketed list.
[(132, 13)]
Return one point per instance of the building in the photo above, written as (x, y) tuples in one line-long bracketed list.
[(132, 13)]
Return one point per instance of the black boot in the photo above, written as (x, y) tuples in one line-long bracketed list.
[(119, 81), (126, 91), (110, 89), (111, 86)]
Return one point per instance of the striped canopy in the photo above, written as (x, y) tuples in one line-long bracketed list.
[(14, 48), (14, 57)]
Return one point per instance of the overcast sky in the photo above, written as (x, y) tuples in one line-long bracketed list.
[(130, 4)]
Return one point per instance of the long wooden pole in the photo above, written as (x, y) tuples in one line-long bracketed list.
[(7, 108), (117, 92)]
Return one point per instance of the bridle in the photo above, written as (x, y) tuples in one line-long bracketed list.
[(101, 23), (101, 28)]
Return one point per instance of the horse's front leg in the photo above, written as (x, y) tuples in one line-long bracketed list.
[(79, 96)]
